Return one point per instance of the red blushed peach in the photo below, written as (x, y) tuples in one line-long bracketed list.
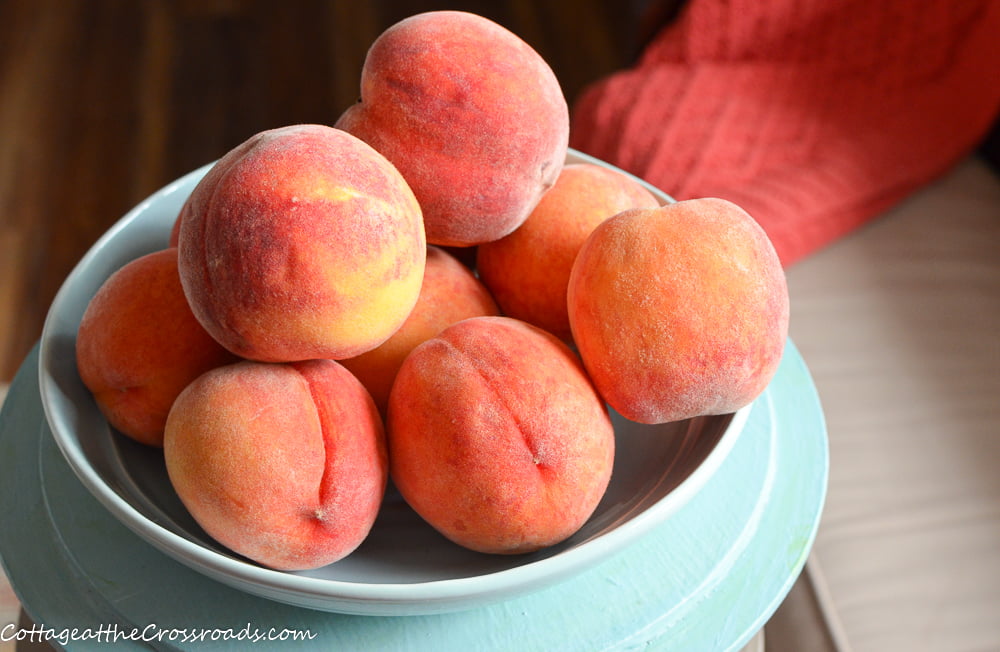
[(138, 345), (472, 116), (679, 311), (497, 437), (282, 463), (303, 242), (528, 271), (450, 293)]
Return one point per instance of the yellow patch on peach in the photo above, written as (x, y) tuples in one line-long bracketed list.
[(303, 242)]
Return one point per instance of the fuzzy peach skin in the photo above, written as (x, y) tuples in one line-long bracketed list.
[(450, 293), (497, 437), (679, 311), (138, 345), (528, 271), (283, 463), (303, 242), (472, 116)]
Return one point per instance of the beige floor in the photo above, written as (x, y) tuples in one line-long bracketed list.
[(898, 323)]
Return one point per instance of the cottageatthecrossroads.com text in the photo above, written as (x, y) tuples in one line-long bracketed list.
[(152, 633)]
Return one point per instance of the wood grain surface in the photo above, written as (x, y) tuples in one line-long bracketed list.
[(105, 101)]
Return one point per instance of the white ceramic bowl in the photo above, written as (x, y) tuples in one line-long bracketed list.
[(404, 567)]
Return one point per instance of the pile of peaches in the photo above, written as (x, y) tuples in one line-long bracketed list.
[(425, 291)]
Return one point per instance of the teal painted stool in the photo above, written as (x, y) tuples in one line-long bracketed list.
[(707, 579)]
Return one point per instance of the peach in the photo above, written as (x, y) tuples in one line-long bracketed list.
[(138, 345), (472, 116), (497, 437), (450, 293), (283, 463), (303, 242), (528, 271), (679, 311)]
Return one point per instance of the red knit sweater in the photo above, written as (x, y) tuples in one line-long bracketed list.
[(814, 115)]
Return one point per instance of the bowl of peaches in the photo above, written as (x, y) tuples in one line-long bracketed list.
[(419, 359)]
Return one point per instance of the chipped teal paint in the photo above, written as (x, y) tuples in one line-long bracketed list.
[(707, 579)]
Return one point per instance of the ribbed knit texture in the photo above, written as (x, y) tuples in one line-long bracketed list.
[(814, 115)]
